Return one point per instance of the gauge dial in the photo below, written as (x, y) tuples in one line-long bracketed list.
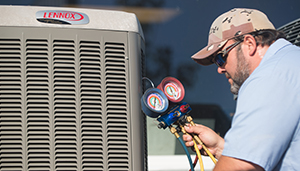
[(155, 101), (172, 91)]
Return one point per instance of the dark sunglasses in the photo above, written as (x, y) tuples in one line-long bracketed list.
[(221, 56)]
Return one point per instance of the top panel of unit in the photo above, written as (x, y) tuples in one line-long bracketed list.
[(35, 16)]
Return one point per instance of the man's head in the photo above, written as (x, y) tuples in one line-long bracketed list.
[(229, 25), (237, 42)]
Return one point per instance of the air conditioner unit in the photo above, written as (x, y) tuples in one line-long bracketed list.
[(70, 88)]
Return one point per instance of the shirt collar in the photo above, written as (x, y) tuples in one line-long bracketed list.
[(274, 48)]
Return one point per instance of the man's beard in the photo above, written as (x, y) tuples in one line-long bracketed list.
[(242, 72)]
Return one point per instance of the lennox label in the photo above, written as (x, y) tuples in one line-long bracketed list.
[(62, 17)]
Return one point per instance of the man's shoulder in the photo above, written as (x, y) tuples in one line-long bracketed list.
[(281, 55), (284, 47)]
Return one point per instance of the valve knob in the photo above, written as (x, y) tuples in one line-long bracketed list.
[(184, 108)]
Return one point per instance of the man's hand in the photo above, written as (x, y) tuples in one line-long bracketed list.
[(212, 140)]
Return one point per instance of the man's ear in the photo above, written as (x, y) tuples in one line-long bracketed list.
[(250, 44)]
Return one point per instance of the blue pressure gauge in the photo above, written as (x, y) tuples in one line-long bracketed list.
[(154, 102)]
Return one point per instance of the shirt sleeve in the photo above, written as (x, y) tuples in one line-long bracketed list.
[(265, 120)]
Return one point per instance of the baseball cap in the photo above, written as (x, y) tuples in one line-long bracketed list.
[(235, 22)]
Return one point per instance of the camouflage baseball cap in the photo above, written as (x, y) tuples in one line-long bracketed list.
[(233, 23)]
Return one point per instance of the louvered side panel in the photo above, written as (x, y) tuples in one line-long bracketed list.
[(65, 119), (91, 106), (292, 31), (116, 107), (37, 104), (11, 138)]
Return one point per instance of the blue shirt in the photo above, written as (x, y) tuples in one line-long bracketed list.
[(265, 128)]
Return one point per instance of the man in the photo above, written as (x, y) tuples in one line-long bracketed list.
[(263, 70)]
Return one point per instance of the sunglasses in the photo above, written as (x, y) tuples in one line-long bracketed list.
[(221, 57)]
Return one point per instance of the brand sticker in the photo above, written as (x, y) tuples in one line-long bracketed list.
[(62, 17)]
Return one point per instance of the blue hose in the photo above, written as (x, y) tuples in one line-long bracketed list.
[(187, 153)]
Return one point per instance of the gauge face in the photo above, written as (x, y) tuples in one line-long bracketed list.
[(155, 101), (172, 91)]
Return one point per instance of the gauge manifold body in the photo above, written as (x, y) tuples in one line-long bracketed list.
[(174, 115)]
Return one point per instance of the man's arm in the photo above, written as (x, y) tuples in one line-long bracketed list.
[(228, 163)]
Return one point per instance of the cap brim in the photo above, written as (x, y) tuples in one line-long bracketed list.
[(204, 56)]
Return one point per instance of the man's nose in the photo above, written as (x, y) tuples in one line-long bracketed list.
[(221, 70)]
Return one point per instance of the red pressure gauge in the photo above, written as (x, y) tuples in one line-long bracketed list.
[(172, 88)]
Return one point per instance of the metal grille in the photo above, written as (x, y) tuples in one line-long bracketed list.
[(11, 105), (116, 108), (292, 31), (37, 104), (90, 106), (65, 108), (64, 102)]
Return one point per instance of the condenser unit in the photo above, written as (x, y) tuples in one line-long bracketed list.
[(70, 88)]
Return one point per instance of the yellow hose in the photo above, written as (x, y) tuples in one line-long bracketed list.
[(197, 139), (199, 156)]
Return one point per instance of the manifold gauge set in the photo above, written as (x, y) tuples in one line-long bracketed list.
[(164, 103)]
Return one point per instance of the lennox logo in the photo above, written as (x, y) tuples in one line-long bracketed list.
[(70, 16), (62, 17)]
